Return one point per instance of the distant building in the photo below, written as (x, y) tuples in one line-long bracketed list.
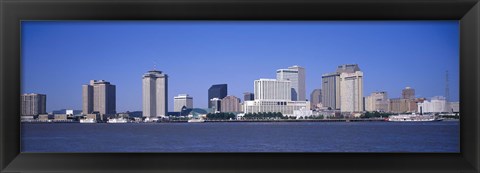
[(272, 89), (273, 95), (60, 117), (33, 104), (216, 105), (454, 107), (348, 68), (43, 117), (287, 108), (351, 88), (155, 94), (436, 104), (399, 105), (296, 75), (377, 101), (99, 96), (217, 91), (182, 100), (331, 90), (315, 98), (248, 96), (302, 113), (230, 104), (408, 93), (67, 111)]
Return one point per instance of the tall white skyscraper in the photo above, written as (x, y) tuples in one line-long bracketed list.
[(182, 100), (296, 75), (155, 94), (351, 92)]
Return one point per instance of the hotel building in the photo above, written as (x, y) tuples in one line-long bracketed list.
[(351, 92), (331, 90), (273, 95), (99, 97), (155, 94)]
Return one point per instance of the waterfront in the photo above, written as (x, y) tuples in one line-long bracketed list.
[(243, 137)]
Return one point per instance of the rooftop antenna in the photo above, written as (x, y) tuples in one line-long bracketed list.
[(447, 93), (154, 66)]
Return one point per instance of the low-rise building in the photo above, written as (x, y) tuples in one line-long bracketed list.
[(454, 107), (284, 107), (60, 117), (436, 104), (43, 117)]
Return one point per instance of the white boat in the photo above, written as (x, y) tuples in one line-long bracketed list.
[(117, 120), (88, 120), (412, 118), (196, 120), (150, 120)]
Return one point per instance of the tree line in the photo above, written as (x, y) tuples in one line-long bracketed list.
[(264, 115), (220, 116), (375, 114)]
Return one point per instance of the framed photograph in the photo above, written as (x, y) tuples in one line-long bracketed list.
[(240, 86)]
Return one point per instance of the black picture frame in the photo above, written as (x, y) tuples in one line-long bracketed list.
[(14, 11)]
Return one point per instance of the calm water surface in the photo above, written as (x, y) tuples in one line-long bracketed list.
[(243, 137)]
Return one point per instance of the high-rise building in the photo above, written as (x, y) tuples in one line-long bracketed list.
[(273, 95), (155, 94), (351, 91), (182, 100), (377, 101), (408, 93), (217, 91), (272, 89), (296, 75), (248, 96), (99, 96), (33, 104), (331, 90), (230, 104), (315, 98)]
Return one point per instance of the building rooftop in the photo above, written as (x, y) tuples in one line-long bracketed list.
[(154, 73), (348, 68)]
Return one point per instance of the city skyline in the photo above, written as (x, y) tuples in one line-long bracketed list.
[(213, 65)]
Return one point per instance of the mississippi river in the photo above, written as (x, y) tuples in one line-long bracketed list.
[(243, 137)]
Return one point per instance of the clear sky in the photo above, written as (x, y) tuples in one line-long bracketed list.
[(58, 57)]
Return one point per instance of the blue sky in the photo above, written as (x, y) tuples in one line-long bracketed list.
[(58, 57)]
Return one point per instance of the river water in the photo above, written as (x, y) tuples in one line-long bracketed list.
[(243, 137)]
